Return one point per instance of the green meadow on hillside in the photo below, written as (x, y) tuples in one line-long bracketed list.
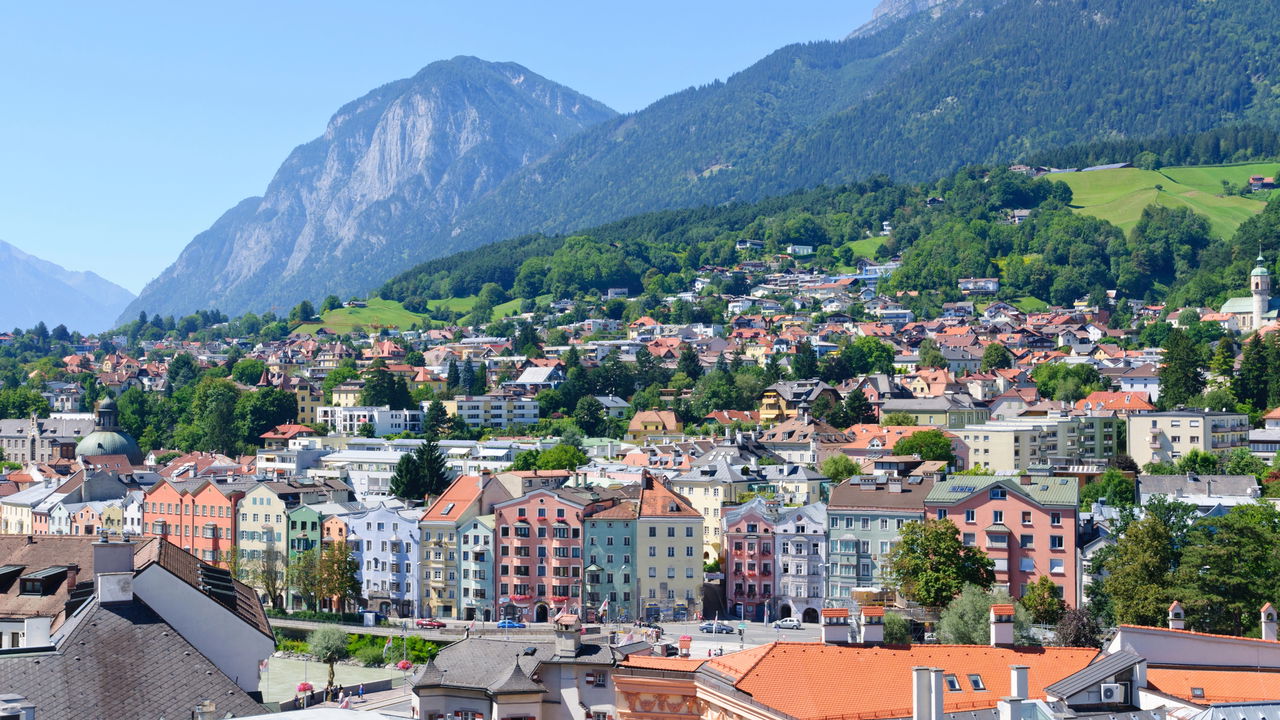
[(1119, 196), (382, 313)]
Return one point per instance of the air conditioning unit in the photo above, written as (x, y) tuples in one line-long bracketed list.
[(1115, 692)]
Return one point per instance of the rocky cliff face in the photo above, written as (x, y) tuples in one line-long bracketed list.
[(890, 11), (36, 290), (392, 168)]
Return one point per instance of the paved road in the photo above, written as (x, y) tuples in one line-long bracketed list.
[(754, 634)]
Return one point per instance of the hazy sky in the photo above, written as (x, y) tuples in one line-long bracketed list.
[(127, 128)]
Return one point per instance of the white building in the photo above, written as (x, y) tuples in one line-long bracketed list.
[(385, 421), (385, 542)]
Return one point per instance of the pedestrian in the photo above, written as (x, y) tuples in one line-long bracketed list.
[(361, 692)]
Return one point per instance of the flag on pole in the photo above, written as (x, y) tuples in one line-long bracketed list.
[(604, 607), (386, 647), (264, 664)]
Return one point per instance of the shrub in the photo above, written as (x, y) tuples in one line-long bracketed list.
[(371, 657)]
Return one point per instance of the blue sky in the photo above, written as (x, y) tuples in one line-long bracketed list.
[(129, 127)]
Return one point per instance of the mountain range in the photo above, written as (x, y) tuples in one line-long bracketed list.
[(36, 290), (468, 152)]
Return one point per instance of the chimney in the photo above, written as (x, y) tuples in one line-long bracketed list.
[(920, 694), (1009, 708), (73, 576), (1001, 625), (113, 571), (1177, 618), (935, 693), (568, 631), (835, 626), (1018, 681), (36, 632), (1268, 622), (204, 710), (871, 629)]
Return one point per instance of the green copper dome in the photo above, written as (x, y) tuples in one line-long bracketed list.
[(107, 438), (110, 442), (1260, 268)]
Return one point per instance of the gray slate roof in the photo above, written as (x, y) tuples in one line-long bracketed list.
[(488, 665), (121, 661), (1094, 673)]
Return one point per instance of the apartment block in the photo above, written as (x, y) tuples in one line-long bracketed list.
[(1167, 436)]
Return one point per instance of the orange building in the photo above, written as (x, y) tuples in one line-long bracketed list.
[(198, 516)]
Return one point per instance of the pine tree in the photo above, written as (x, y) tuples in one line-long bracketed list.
[(451, 376), (1250, 385), (1223, 363), (858, 408), (1181, 378), (804, 365), (467, 378), (689, 364)]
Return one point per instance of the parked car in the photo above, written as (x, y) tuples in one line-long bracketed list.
[(715, 627), (787, 624), (429, 623), (650, 626), (510, 625)]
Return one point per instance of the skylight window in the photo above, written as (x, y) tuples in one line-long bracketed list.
[(1197, 692), (976, 682), (953, 683)]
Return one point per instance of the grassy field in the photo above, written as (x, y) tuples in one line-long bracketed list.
[(1119, 196), (379, 313), (391, 314), (1025, 303), (866, 247)]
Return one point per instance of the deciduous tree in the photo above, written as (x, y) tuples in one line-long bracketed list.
[(931, 566)]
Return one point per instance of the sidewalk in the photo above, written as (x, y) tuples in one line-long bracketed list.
[(372, 700)]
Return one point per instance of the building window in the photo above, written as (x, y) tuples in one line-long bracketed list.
[(970, 516), (975, 681), (953, 683), (1055, 542)]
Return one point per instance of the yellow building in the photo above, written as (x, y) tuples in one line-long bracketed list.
[(653, 423), (261, 537), (788, 399), (717, 478), (347, 394), (669, 553)]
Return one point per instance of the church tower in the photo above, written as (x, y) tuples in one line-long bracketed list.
[(1260, 286)]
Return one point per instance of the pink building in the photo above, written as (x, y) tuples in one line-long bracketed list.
[(750, 566), (1026, 525), (539, 552)]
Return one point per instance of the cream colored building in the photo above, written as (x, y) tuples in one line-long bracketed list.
[(719, 477), (1024, 442), (264, 518), (1168, 436), (668, 553)]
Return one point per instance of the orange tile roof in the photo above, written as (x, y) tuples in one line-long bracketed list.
[(872, 612), (1219, 686), (654, 662), (456, 498), (835, 612), (1002, 609), (795, 678)]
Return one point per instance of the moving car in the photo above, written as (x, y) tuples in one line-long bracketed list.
[(510, 625), (429, 623), (787, 624), (716, 627)]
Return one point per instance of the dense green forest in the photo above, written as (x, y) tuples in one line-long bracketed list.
[(1056, 255), (989, 82), (1229, 144)]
